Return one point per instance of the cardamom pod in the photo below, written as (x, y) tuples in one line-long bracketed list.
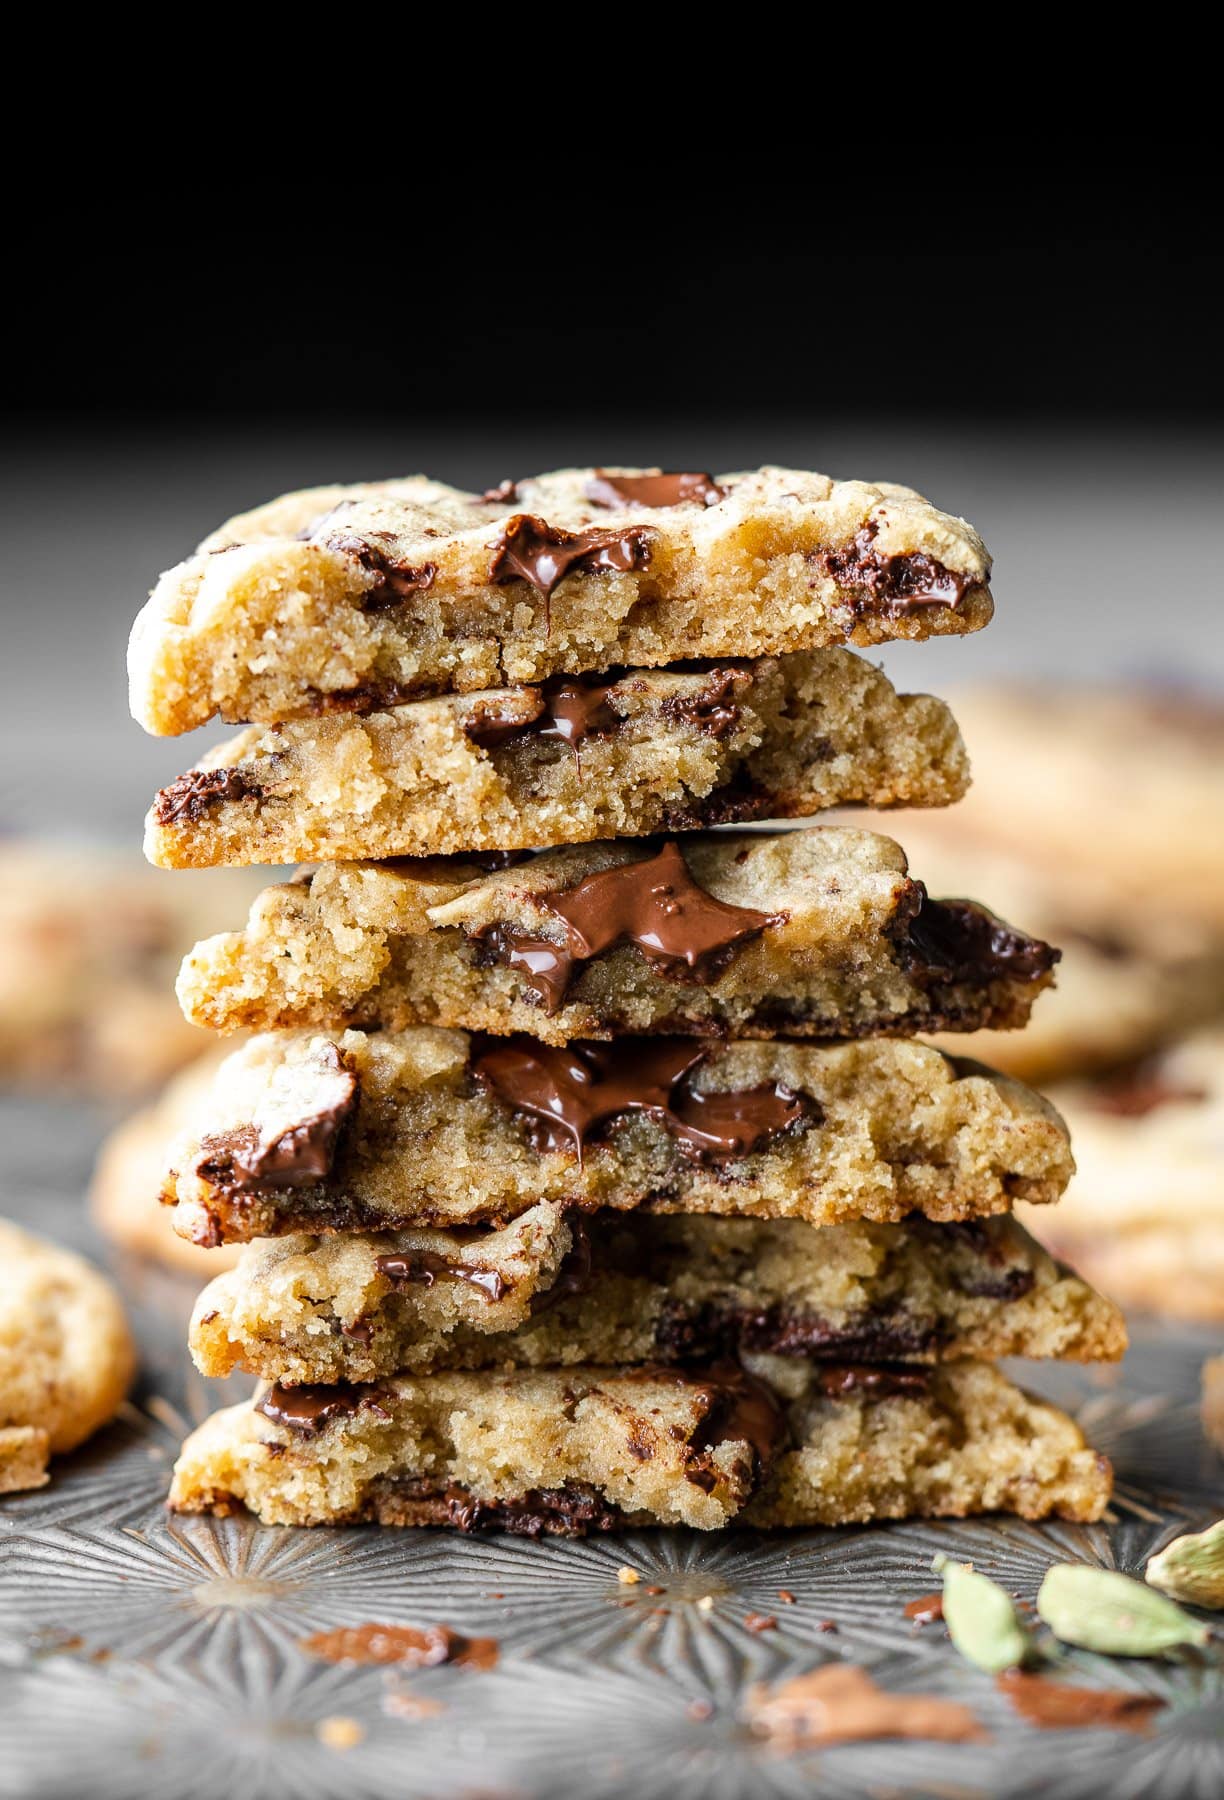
[(1192, 1568), (981, 1619), (1098, 1609)]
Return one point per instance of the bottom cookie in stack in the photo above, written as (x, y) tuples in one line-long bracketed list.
[(561, 1375)]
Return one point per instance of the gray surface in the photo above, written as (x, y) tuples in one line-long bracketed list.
[(145, 1656)]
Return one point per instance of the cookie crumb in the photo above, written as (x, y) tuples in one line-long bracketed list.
[(627, 1577), (699, 1711), (786, 1597), (706, 1603), (760, 1622), (340, 1732), (827, 1625)]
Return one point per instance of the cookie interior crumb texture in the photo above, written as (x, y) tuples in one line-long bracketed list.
[(651, 750), (556, 1289), (317, 1132), (405, 587), (815, 933), (574, 1451)]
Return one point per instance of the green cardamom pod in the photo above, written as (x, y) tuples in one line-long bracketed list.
[(1192, 1568), (1098, 1609), (981, 1619)]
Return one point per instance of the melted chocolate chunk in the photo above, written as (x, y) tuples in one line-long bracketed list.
[(568, 708), (891, 584), (961, 939), (397, 581), (504, 494), (713, 709), (569, 1511), (1007, 1284), (421, 1268), (682, 931), (531, 550), (372, 696), (570, 1094), (245, 1160), (574, 1275), (544, 967), (838, 1381), (310, 1408), (741, 1409), (685, 1333), (193, 796), (691, 488)]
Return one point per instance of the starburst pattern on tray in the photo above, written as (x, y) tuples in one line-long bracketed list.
[(142, 1655)]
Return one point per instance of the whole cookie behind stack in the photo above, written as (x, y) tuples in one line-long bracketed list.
[(1095, 813), (588, 1172)]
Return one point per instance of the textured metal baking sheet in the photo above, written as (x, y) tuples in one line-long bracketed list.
[(142, 1655)]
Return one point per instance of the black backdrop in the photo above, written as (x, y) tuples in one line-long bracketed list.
[(932, 297)]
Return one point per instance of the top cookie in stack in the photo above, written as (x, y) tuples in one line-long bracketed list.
[(372, 629), (479, 1021)]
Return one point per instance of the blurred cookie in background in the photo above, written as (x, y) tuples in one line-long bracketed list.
[(1096, 821), (127, 1177), (66, 1354), (1143, 1217), (1093, 820), (1213, 1400), (90, 944), (1125, 985), (1114, 794)]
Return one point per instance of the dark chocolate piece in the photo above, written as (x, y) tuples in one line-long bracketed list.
[(683, 932), (570, 1511), (891, 584), (961, 939), (837, 1381), (529, 549), (310, 1408), (686, 1333), (421, 1268), (193, 796), (569, 1094), (545, 967), (741, 1408), (569, 708), (574, 1275), (397, 580), (713, 709), (301, 1156), (688, 488), (504, 494)]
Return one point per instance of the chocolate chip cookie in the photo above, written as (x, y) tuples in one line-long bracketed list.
[(818, 933), (643, 751), (374, 593), (306, 1131)]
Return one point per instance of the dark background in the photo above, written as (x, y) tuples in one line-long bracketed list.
[(1039, 352), (929, 294)]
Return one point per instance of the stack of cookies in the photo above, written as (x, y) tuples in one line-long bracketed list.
[(588, 1166)]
